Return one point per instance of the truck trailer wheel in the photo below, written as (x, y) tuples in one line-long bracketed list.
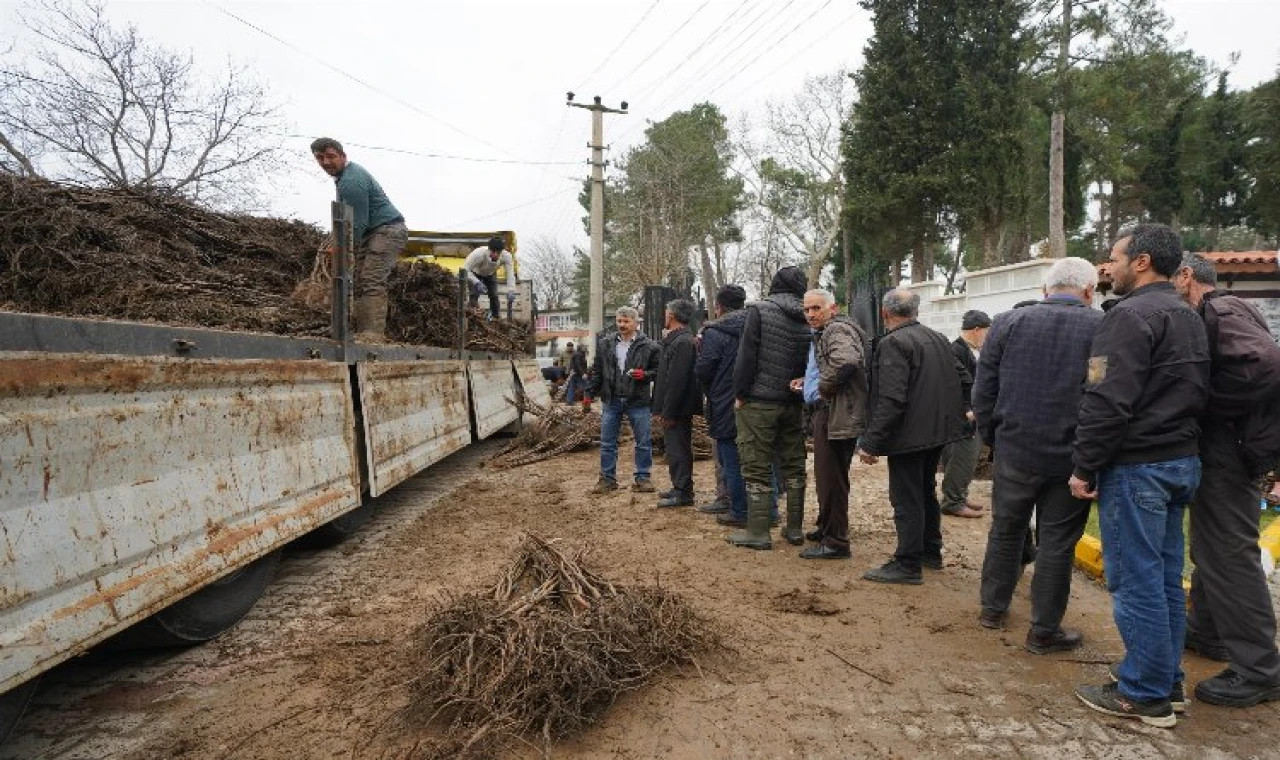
[(206, 613), (12, 704), (341, 528)]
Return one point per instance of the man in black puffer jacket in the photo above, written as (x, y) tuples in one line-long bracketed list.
[(917, 407), (714, 370), (773, 351)]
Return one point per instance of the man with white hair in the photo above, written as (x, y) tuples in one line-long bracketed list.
[(1030, 377)]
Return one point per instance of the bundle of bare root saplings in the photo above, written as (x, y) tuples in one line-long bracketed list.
[(424, 311), (120, 254), (549, 431), (545, 650)]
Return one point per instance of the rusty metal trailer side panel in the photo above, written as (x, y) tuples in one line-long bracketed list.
[(492, 384), (535, 387), (415, 414), (127, 483)]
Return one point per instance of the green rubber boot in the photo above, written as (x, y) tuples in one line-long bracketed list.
[(756, 536), (794, 532)]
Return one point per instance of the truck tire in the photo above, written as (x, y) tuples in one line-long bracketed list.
[(13, 704), (206, 613), (341, 528)]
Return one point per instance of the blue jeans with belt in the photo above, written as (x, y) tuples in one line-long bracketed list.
[(1140, 509)]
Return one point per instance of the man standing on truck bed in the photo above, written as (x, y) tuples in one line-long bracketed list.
[(482, 270), (378, 232)]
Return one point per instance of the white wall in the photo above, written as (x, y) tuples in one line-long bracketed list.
[(990, 290)]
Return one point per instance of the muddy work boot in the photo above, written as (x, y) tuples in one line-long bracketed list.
[(794, 532), (605, 485), (756, 536), (371, 319)]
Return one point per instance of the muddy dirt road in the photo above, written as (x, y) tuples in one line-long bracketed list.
[(825, 665)]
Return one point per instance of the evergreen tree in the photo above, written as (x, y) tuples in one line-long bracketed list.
[(1262, 119)]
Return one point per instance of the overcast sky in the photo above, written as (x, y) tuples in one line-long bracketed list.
[(487, 80)]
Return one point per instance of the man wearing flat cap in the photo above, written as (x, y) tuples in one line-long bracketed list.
[(959, 459)]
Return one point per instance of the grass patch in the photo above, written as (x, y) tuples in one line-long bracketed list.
[(1091, 529)]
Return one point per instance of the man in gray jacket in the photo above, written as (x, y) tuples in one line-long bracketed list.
[(839, 417)]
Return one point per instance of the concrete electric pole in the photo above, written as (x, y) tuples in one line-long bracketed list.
[(596, 312)]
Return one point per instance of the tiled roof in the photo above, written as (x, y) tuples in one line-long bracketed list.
[(1226, 262)]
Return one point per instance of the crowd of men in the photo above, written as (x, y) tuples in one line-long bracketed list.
[(1169, 399)]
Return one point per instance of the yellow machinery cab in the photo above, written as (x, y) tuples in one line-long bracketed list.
[(450, 250)]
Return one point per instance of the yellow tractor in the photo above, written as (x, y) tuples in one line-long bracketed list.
[(450, 250)]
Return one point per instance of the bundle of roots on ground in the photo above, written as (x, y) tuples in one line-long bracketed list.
[(121, 254), (545, 650), (549, 430)]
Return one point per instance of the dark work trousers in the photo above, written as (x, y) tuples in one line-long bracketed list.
[(1060, 521), (959, 460), (722, 483), (831, 461), (912, 482), (490, 283), (1230, 603), (679, 444)]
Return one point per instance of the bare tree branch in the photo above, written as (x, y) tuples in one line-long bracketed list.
[(107, 107)]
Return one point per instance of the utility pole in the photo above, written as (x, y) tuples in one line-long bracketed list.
[(595, 313)]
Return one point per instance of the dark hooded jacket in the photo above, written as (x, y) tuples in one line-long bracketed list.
[(675, 392), (774, 348), (714, 371)]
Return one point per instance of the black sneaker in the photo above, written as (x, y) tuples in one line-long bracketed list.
[(822, 551), (814, 535), (676, 499), (716, 507), (1207, 650), (992, 619), (1108, 699), (1177, 698), (1231, 689), (893, 572), (1061, 640)]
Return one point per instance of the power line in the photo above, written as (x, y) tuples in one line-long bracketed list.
[(705, 72), (837, 27), (456, 225), (698, 48), (618, 47), (423, 154), (355, 78), (762, 53), (661, 45)]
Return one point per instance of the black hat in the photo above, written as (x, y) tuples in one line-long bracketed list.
[(974, 319), (790, 279), (731, 296)]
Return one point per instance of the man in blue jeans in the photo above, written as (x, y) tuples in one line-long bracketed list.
[(1136, 452), (626, 363), (714, 369)]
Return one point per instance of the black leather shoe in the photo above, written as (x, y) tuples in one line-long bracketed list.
[(714, 507), (667, 494), (992, 619), (1231, 689), (893, 572), (822, 551), (814, 535), (727, 519), (1215, 652), (1061, 640), (677, 500)]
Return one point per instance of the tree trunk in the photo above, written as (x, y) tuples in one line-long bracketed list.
[(709, 285), (918, 260), (1057, 226), (847, 248), (1113, 214)]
